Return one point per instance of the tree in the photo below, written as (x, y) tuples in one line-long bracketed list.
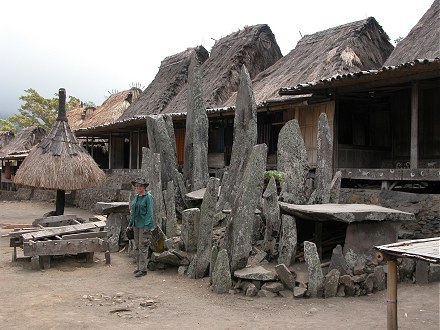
[(36, 110)]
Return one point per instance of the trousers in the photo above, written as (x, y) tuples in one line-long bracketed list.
[(142, 243)]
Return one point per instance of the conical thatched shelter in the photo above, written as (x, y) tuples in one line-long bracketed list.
[(422, 42), (59, 161)]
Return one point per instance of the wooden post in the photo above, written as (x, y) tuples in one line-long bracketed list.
[(414, 152), (392, 295), (130, 152), (60, 202), (318, 238), (110, 151)]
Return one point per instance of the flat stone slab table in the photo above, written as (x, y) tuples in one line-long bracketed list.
[(368, 225)]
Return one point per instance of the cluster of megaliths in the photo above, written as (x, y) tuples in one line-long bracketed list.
[(241, 201)]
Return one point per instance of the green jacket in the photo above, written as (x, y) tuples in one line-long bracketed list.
[(141, 214)]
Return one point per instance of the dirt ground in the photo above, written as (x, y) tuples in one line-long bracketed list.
[(75, 295)]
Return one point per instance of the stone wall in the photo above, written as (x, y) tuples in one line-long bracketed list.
[(426, 208)]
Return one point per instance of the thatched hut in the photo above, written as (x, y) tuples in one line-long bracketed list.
[(5, 138), (13, 153), (422, 42), (59, 161)]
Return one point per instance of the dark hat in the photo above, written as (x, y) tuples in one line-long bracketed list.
[(140, 181)]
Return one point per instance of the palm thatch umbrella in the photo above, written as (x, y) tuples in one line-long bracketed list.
[(59, 161)]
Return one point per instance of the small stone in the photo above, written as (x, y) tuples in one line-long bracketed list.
[(286, 293), (266, 294), (251, 290), (299, 292), (273, 286)]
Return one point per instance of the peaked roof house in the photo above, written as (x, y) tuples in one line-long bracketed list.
[(388, 120), (253, 46)]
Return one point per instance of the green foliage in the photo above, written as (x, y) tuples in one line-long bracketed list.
[(36, 110), (279, 176)]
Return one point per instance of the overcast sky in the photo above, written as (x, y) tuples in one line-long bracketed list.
[(94, 47)]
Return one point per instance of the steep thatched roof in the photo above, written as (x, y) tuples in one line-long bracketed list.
[(169, 81), (23, 142), (422, 42), (254, 46), (59, 161), (112, 108), (346, 48), (5, 138)]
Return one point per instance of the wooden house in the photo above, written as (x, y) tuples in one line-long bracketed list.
[(387, 121)]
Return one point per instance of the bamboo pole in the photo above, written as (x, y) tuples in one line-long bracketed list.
[(392, 295)]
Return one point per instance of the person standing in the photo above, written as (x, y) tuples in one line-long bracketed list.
[(141, 221)]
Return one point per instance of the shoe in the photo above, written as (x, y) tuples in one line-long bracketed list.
[(134, 272), (140, 273)]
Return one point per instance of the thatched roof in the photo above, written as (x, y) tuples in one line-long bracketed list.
[(59, 161), (23, 142), (346, 48), (169, 81), (254, 46), (112, 108), (422, 42), (5, 138)]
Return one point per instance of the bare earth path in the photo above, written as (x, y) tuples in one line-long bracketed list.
[(76, 295)]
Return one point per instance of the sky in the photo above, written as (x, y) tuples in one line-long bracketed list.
[(93, 48)]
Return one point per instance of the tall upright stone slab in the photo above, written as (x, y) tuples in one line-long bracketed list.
[(238, 234), (170, 206), (221, 275), (288, 240), (190, 229), (245, 138), (195, 167), (150, 170), (292, 161), (204, 244), (316, 277), (335, 187), (271, 212), (324, 164)]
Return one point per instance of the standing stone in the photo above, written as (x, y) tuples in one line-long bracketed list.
[(190, 229), (292, 161), (331, 283), (171, 223), (335, 188), (221, 277), (381, 282), (271, 212), (286, 276), (406, 269), (195, 167), (422, 272), (324, 164), (150, 169), (238, 237), (214, 255), (245, 138), (288, 240), (316, 278), (348, 284), (204, 244), (337, 261), (113, 226)]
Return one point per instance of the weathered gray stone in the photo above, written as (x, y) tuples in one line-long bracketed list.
[(266, 294), (157, 243), (331, 282), (422, 272), (116, 222), (293, 162), (238, 234), (257, 258), (150, 170), (204, 244), (286, 276), (359, 278), (273, 286), (369, 283), (258, 273), (167, 257), (348, 284), (359, 269), (271, 212), (190, 229), (195, 167), (251, 290), (111, 207), (381, 282), (170, 206), (335, 187), (257, 228), (182, 270), (313, 263), (299, 292), (434, 273), (406, 269), (288, 240), (286, 293), (214, 254), (341, 291), (245, 138), (351, 259), (221, 276), (337, 261), (324, 163)]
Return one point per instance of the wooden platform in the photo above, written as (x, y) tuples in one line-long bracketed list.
[(424, 249)]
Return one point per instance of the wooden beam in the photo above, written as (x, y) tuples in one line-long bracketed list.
[(391, 174), (414, 152), (73, 246)]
